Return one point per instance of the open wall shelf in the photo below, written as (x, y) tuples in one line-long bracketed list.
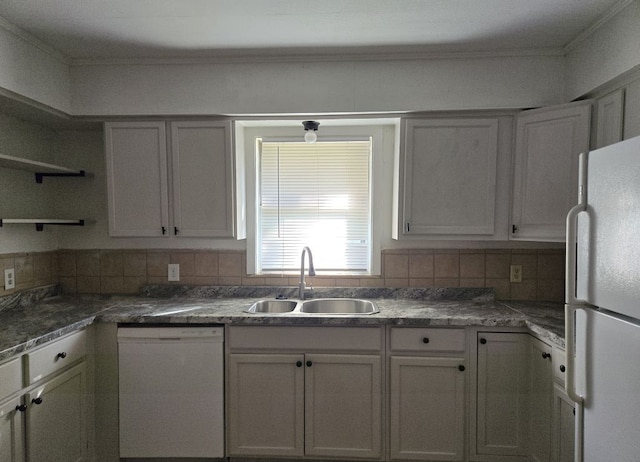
[(40, 222), (41, 169)]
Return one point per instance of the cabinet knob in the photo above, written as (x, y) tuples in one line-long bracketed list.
[(483, 341), (562, 368), (175, 230), (546, 355), (164, 230), (298, 363), (21, 407), (37, 400), (61, 355), (461, 368), (425, 340), (309, 363)]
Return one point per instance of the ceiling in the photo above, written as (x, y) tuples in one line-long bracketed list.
[(133, 29)]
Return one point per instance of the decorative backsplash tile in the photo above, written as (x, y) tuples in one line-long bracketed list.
[(127, 271)]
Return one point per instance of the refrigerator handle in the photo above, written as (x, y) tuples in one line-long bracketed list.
[(570, 347), (572, 232)]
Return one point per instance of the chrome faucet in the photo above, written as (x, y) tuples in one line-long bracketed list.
[(312, 271)]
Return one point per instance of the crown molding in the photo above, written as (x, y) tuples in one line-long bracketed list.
[(595, 26), (349, 55), (34, 41)]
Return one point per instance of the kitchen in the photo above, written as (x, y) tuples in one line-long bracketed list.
[(36, 125)]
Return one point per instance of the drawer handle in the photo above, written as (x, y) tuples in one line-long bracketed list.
[(61, 355), (425, 340), (546, 355), (309, 363), (483, 341), (299, 364), (37, 400), (21, 407), (562, 368), (461, 368)]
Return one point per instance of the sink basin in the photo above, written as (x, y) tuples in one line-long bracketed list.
[(272, 306), (338, 306)]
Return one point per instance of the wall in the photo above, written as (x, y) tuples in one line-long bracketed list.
[(125, 271), (32, 70), (317, 87), (609, 51), (21, 196)]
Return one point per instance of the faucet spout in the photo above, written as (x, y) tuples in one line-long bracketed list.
[(312, 271)]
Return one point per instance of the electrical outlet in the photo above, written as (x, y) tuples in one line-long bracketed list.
[(516, 273), (9, 279), (173, 272)]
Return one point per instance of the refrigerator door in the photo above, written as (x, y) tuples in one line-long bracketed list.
[(608, 245), (607, 362)]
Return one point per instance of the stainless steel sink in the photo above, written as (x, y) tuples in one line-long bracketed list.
[(272, 306), (338, 306)]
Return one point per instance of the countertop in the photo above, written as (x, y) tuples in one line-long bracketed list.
[(38, 316)]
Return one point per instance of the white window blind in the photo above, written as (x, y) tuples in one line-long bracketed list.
[(316, 195)]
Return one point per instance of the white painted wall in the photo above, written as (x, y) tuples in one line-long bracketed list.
[(317, 87), (611, 50), (20, 195), (33, 72)]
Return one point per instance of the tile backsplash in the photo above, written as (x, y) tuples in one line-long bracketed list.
[(126, 271)]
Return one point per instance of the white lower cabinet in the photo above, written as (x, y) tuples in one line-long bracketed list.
[(309, 403), (12, 447), (499, 427), (540, 400), (564, 426), (45, 419), (56, 418), (427, 408)]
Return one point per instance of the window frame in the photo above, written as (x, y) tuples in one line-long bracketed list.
[(385, 135)]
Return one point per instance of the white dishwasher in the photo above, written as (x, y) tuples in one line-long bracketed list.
[(171, 391)]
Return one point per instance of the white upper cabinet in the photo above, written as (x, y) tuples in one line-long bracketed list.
[(202, 179), (184, 191), (545, 181), (609, 117), (448, 178)]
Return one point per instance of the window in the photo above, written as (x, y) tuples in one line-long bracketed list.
[(317, 195)]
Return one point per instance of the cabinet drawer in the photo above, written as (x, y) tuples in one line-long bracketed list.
[(303, 339), (428, 339), (10, 377), (559, 362), (55, 356)]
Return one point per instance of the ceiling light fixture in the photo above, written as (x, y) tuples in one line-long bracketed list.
[(310, 127)]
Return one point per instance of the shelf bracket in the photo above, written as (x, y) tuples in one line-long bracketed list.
[(40, 176), (40, 226)]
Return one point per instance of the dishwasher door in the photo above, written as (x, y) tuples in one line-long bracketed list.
[(171, 391)]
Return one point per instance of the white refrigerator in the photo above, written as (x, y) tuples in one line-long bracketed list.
[(603, 305)]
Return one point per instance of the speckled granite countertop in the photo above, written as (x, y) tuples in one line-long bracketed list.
[(36, 317)]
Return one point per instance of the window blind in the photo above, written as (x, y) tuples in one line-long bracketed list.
[(316, 195)]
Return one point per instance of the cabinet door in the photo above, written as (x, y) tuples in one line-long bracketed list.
[(502, 395), (202, 178), (56, 418), (137, 179), (540, 401), (343, 406), (609, 116), (11, 431), (545, 183), (564, 426), (265, 414), (449, 177), (427, 408)]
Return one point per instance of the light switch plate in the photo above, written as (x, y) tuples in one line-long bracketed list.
[(173, 272), (9, 279)]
